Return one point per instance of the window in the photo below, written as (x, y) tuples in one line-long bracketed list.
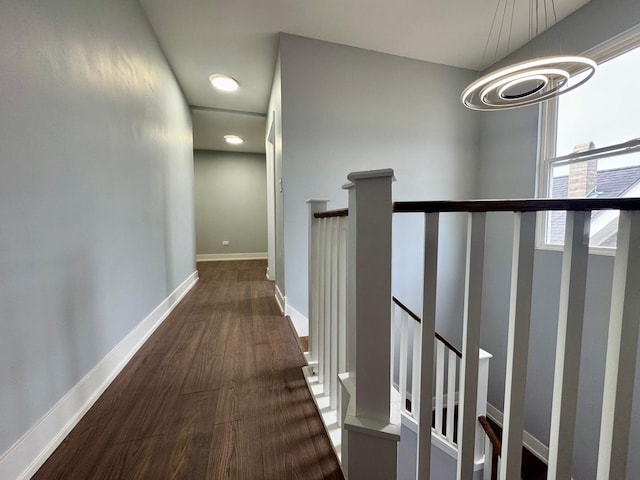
[(591, 143)]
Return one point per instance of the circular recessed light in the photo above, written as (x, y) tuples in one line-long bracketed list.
[(527, 83), (233, 139), (223, 82)]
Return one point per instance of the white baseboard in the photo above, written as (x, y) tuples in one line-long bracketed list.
[(22, 460), (220, 257), (300, 322), (534, 445), (280, 299)]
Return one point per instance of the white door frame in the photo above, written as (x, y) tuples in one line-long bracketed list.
[(271, 203)]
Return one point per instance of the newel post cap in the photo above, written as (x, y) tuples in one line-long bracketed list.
[(367, 174)]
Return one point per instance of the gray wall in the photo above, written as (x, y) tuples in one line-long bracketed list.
[(230, 202), (507, 169), (346, 109), (96, 193)]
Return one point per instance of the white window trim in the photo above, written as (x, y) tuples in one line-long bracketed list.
[(547, 121)]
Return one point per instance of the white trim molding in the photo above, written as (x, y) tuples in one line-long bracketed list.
[(221, 257), (280, 299), (535, 446), (22, 460), (300, 322)]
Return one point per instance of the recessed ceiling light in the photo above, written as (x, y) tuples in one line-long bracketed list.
[(223, 82), (233, 139)]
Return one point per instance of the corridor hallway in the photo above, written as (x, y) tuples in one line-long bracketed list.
[(215, 393)]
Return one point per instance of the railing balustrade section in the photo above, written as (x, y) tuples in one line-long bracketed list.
[(352, 339), (327, 298)]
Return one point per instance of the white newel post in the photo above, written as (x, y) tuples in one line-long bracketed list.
[(369, 442), (481, 409), (315, 206)]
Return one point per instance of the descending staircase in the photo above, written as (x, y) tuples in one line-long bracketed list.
[(444, 417), (532, 467)]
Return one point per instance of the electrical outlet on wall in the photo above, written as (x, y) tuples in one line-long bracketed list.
[(225, 242)]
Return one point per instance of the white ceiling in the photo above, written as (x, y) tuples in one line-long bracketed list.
[(210, 126), (240, 37)]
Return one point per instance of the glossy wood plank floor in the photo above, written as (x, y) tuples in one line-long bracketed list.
[(215, 393)]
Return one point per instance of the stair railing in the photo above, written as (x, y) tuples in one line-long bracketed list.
[(445, 400), (369, 435), (622, 339)]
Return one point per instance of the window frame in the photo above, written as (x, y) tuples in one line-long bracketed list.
[(547, 128)]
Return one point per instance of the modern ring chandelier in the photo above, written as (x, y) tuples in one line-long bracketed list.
[(529, 82)]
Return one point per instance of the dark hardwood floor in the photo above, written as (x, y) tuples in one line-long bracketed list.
[(215, 393)]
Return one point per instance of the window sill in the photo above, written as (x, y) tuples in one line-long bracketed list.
[(607, 252)]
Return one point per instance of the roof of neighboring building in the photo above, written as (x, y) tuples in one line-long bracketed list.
[(609, 183)]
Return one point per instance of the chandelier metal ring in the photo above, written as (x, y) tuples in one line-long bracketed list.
[(527, 83)]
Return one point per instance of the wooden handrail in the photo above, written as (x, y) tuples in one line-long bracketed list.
[(448, 345), (406, 309), (343, 212), (493, 437), (520, 205), (496, 444), (417, 319)]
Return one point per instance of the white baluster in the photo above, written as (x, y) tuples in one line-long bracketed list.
[(568, 346), (333, 364), (423, 392), (322, 293), (439, 385), (392, 344), (467, 418), (488, 456), (518, 343), (342, 307), (404, 337), (481, 409), (326, 379), (415, 372), (621, 351), (342, 295), (451, 394)]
